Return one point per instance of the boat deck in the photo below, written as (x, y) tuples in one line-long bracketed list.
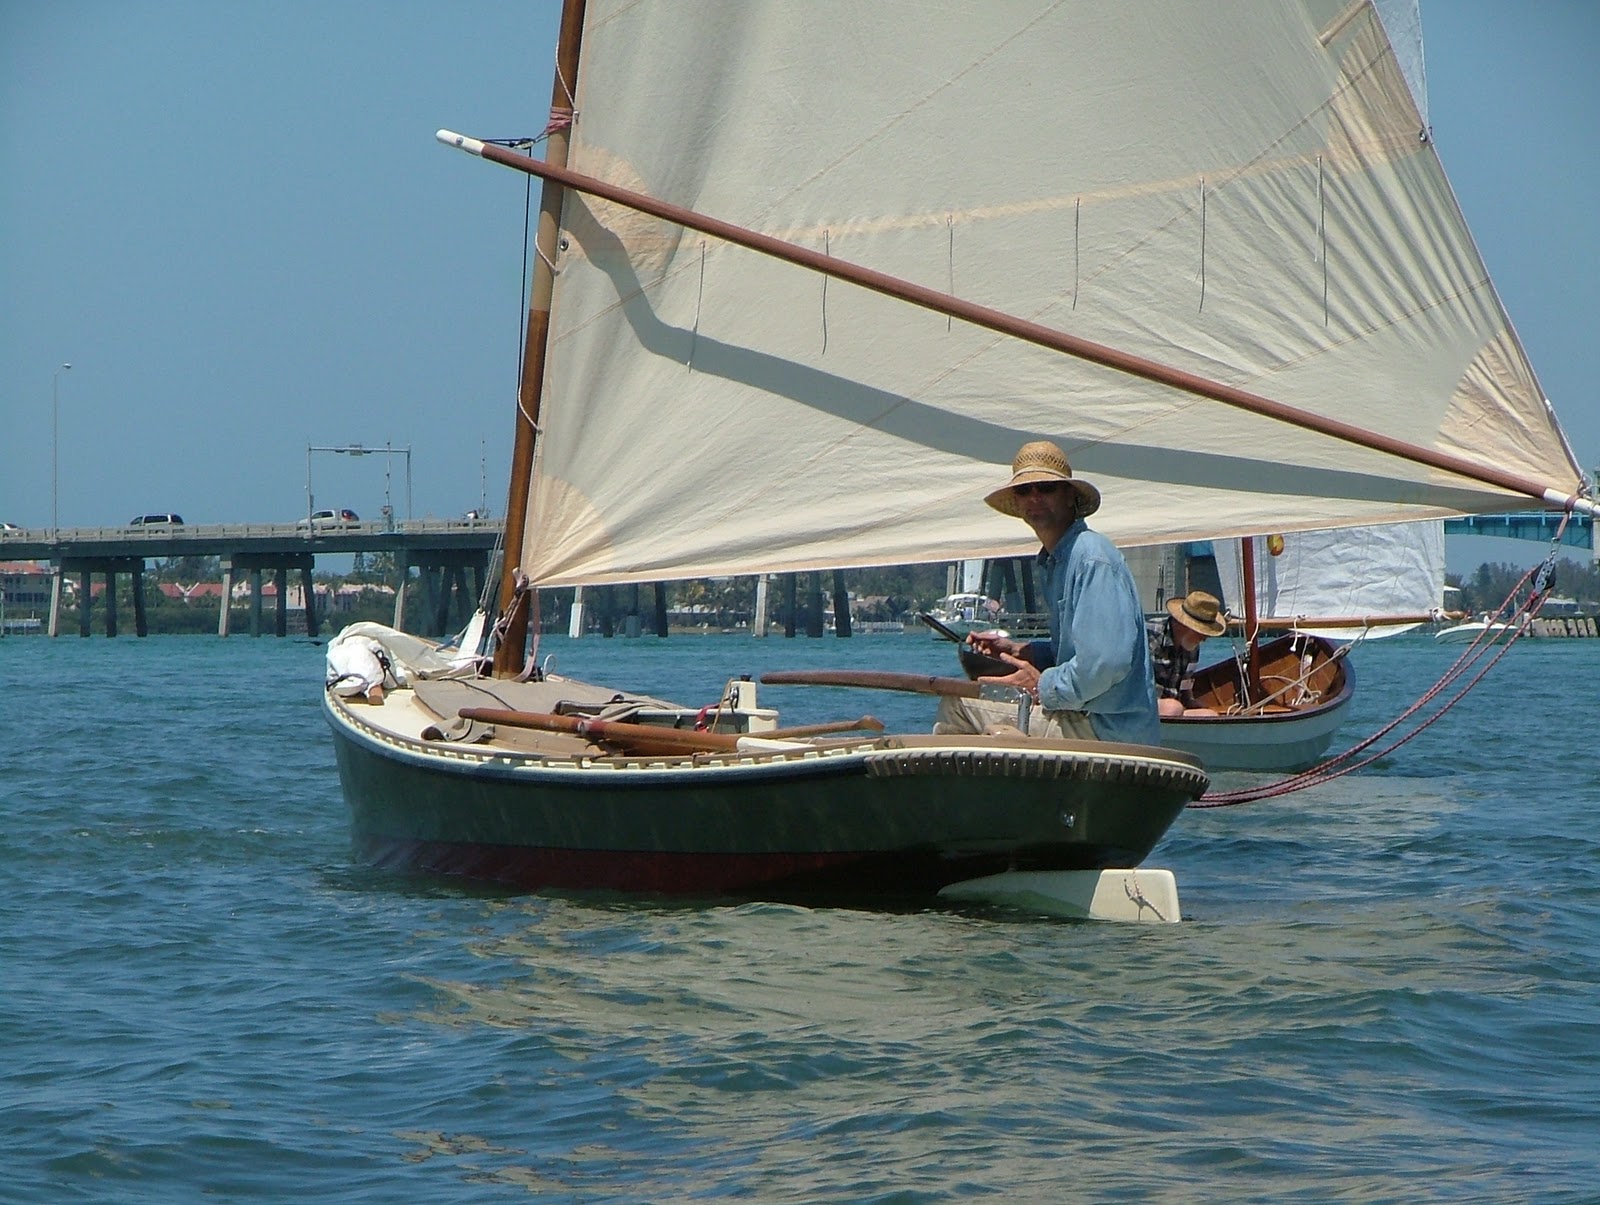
[(428, 711)]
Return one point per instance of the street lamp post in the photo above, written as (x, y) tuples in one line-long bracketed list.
[(55, 459), (362, 450)]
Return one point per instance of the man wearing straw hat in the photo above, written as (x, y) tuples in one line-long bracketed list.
[(1092, 677), (1175, 642)]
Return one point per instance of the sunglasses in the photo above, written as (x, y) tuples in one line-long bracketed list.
[(1036, 487)]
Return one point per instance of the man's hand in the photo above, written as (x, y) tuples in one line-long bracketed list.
[(994, 643), (1023, 677)]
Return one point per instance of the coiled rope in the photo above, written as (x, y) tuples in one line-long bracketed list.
[(1518, 621)]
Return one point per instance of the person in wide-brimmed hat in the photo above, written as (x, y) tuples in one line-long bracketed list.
[(1092, 676), (1036, 463), (1175, 641)]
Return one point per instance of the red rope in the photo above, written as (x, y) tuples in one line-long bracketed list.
[(560, 119), (1520, 620)]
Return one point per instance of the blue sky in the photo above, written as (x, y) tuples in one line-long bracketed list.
[(232, 219)]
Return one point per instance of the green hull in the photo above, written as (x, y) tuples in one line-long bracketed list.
[(895, 817)]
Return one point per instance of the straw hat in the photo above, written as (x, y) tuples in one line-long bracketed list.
[(1041, 460), (1200, 611)]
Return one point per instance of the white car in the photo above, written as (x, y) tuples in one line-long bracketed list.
[(322, 520)]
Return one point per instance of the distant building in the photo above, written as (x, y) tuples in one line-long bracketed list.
[(24, 588), (207, 592)]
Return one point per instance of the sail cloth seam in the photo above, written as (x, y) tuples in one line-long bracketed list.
[(1322, 241), (1256, 164), (1077, 261)]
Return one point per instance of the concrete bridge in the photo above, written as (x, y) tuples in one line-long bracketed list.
[(1540, 525), (444, 551)]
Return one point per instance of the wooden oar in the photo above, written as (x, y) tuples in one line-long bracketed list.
[(653, 738), (926, 684)]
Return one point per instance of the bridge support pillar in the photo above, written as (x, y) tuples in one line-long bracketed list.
[(227, 598), (814, 603), (255, 602), (308, 590), (86, 568), (257, 565), (575, 619), (56, 578), (448, 599), (403, 562), (140, 627), (758, 625)]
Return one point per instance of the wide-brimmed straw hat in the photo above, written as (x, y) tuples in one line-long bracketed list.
[(1200, 611), (1041, 460)]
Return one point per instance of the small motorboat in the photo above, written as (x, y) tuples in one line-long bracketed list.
[(1472, 629)]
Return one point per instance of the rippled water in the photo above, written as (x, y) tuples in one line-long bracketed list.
[(1385, 988)]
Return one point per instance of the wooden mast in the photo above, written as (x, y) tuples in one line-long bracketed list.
[(1031, 332), (511, 652), (1252, 626)]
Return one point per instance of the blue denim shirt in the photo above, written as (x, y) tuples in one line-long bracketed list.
[(1097, 653)]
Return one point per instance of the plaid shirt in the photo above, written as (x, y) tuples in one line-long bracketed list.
[(1172, 664)]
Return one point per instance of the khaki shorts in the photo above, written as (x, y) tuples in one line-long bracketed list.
[(959, 716)]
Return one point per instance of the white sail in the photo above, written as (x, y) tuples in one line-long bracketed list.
[(1351, 573), (1242, 190), (972, 577)]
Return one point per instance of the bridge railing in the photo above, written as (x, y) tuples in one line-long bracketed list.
[(214, 531)]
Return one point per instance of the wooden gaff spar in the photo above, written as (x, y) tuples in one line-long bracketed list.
[(1032, 332)]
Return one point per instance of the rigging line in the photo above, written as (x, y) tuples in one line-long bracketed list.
[(566, 90), (1327, 770), (1259, 706), (1322, 236), (560, 119), (1202, 304), (1335, 767), (1316, 777), (525, 145), (1313, 778), (1305, 778), (1077, 224)]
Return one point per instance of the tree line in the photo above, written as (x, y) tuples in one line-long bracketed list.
[(1491, 584)]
